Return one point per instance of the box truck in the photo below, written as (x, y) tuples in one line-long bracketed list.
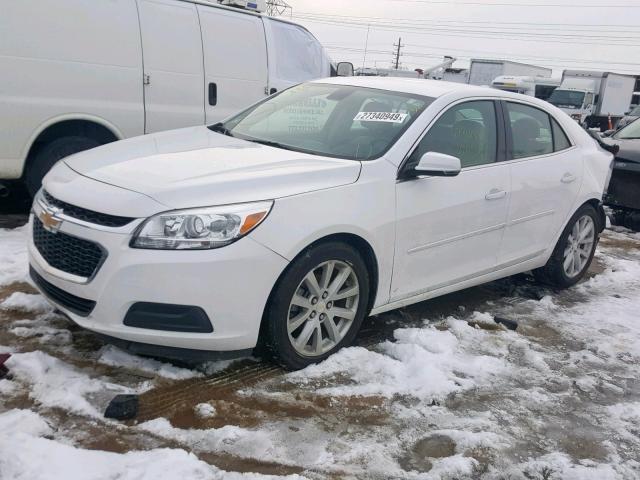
[(483, 72), (592, 97)]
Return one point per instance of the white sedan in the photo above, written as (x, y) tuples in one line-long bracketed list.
[(289, 223)]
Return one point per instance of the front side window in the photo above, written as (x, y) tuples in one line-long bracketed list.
[(467, 131), (341, 121), (530, 131), (300, 57)]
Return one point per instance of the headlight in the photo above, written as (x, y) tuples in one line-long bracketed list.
[(200, 228)]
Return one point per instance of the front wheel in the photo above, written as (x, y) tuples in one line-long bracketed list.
[(574, 251), (317, 306)]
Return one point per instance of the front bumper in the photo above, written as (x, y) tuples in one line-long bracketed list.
[(231, 284)]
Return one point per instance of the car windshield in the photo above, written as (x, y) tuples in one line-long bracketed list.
[(635, 112), (566, 98), (631, 131), (332, 120)]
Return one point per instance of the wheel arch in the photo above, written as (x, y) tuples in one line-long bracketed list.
[(361, 245), (78, 125)]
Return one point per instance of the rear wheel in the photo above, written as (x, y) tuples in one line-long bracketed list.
[(317, 306), (574, 251), (47, 156)]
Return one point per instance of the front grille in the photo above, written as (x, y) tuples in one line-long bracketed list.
[(87, 215), (77, 305), (66, 253)]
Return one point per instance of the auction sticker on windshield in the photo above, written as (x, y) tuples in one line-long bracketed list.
[(380, 117)]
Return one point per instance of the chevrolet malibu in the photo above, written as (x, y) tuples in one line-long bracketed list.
[(287, 224)]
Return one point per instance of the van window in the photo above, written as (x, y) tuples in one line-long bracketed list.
[(299, 56), (467, 131), (530, 131)]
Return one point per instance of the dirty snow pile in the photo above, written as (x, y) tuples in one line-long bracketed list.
[(452, 396)]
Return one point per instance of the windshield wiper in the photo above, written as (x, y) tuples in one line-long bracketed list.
[(269, 143), (220, 128)]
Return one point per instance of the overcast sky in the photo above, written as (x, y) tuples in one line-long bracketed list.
[(590, 34)]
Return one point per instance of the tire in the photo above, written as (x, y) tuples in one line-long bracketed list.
[(343, 262), (554, 272), (47, 156)]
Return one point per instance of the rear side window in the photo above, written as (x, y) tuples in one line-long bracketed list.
[(560, 140), (530, 131), (467, 131)]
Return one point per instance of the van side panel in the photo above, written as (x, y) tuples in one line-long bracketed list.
[(172, 51), (235, 60), (63, 60)]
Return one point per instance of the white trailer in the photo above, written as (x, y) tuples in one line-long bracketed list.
[(483, 71), (592, 97)]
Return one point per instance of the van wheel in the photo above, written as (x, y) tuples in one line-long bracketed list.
[(47, 156), (318, 306), (574, 251)]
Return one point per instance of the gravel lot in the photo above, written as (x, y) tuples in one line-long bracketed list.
[(437, 390)]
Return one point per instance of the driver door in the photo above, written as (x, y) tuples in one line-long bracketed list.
[(449, 229)]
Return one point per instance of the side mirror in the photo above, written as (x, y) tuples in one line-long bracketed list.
[(345, 69), (437, 164)]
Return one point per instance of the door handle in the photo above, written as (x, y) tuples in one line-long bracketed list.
[(495, 194), (568, 178), (213, 94)]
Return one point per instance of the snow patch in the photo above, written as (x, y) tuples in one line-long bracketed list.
[(13, 254), (55, 384), (26, 302), (115, 357)]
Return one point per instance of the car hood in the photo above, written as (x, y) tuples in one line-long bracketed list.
[(629, 149), (196, 167)]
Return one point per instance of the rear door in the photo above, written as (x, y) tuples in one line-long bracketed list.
[(546, 174), (235, 61), (173, 72)]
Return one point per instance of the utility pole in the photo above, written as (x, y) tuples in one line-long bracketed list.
[(398, 46), (276, 8)]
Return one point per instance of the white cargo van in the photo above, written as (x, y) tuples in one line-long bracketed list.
[(80, 73)]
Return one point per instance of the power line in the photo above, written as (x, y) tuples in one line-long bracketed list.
[(543, 38), (518, 26), (505, 4), (467, 32)]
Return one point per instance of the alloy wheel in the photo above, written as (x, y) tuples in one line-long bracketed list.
[(579, 245), (323, 308)]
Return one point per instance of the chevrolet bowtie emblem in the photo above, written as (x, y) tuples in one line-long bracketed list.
[(49, 221)]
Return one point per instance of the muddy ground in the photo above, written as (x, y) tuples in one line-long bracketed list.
[(544, 402)]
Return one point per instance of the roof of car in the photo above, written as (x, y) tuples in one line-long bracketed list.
[(418, 86)]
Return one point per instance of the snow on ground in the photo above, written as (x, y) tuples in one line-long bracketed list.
[(441, 392), (13, 255)]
